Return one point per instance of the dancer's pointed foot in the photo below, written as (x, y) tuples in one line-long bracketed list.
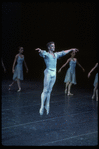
[(70, 94), (19, 89), (41, 111), (47, 109)]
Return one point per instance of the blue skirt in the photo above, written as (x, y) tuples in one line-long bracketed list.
[(18, 73), (96, 79), (70, 76)]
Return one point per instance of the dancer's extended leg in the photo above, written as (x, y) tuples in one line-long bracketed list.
[(94, 90), (51, 84), (97, 95), (69, 88), (18, 82), (66, 89), (44, 93)]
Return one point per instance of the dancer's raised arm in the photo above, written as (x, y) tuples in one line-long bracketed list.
[(92, 70), (64, 65), (72, 49)]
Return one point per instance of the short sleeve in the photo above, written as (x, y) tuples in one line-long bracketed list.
[(60, 54)]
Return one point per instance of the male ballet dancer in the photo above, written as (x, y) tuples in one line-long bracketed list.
[(50, 59)]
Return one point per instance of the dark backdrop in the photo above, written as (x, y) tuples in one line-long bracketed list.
[(32, 25)]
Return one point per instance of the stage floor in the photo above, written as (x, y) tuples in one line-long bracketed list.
[(72, 121)]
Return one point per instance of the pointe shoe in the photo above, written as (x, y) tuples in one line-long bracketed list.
[(70, 94), (19, 90), (47, 109), (41, 111)]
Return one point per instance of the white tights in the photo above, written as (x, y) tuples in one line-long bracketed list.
[(49, 81)]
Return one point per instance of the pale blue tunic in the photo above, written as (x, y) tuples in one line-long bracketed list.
[(71, 74), (96, 79), (50, 61), (18, 73)]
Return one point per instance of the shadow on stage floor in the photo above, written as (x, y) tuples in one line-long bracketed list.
[(72, 121)]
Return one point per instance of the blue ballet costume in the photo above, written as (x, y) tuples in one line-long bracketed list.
[(96, 79), (71, 74), (18, 73)]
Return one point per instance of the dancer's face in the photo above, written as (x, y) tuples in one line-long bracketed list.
[(52, 47), (21, 50), (73, 54)]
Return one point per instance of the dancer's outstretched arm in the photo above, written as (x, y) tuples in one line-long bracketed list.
[(92, 70), (66, 51), (64, 65), (72, 49), (80, 66)]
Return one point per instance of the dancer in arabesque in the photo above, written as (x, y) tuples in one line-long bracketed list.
[(18, 69), (95, 90), (50, 59), (70, 77)]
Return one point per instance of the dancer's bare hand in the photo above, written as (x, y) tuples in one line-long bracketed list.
[(75, 50), (59, 70), (89, 75), (38, 49)]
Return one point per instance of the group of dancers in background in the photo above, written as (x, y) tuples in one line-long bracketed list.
[(50, 59)]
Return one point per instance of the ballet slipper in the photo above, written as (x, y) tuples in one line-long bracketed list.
[(41, 111), (70, 94), (19, 90), (47, 109)]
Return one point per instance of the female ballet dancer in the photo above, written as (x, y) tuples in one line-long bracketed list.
[(50, 59), (18, 71), (95, 90), (70, 77)]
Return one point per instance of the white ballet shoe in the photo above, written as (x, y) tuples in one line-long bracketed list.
[(19, 90), (41, 111), (70, 94), (47, 109)]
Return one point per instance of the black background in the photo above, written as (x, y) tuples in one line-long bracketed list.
[(32, 25)]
